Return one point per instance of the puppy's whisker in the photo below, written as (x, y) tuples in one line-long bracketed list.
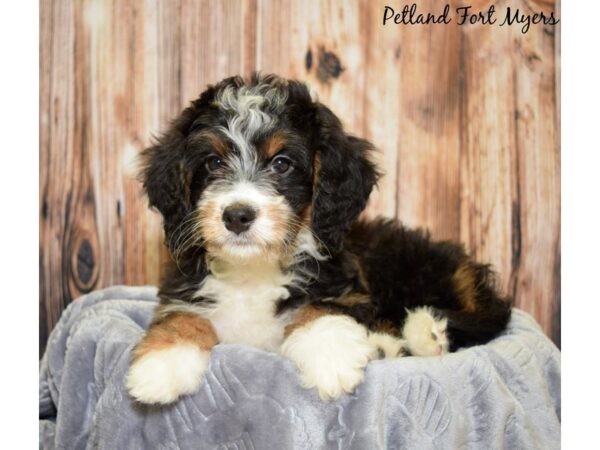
[(181, 243), (189, 231), (177, 247), (186, 222), (193, 239)]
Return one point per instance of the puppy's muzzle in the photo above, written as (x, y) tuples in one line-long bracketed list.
[(238, 218)]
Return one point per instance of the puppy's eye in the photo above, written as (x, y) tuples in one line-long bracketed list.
[(213, 163), (281, 164)]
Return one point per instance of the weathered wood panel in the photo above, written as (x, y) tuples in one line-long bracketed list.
[(429, 176), (57, 159), (466, 120), (510, 202)]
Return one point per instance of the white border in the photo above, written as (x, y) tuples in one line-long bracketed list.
[(19, 28), (580, 223), (19, 165)]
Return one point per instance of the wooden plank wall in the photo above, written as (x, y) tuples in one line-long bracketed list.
[(467, 120)]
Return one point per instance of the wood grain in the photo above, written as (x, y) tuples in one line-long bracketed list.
[(510, 204), (428, 175), (466, 120), (57, 160)]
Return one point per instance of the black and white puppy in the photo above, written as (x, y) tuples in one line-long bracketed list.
[(260, 189)]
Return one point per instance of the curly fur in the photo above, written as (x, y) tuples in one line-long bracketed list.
[(306, 246)]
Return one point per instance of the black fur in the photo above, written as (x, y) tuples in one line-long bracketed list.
[(394, 267), (346, 178), (405, 267)]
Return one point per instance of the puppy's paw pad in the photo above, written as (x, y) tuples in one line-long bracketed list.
[(331, 354), (162, 376), (425, 334)]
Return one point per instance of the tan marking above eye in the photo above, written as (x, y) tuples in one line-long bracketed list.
[(215, 140), (273, 145)]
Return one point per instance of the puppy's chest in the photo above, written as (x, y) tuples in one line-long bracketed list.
[(244, 309)]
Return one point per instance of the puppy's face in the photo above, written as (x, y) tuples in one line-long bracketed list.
[(256, 184), (250, 165)]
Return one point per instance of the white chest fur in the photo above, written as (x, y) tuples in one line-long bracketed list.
[(245, 299)]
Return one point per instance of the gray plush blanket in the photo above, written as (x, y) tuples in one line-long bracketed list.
[(502, 395)]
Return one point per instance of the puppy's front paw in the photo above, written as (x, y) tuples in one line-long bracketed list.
[(161, 376), (331, 353), (425, 334)]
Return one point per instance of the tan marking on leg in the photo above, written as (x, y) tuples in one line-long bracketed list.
[(177, 328), (464, 285), (304, 316)]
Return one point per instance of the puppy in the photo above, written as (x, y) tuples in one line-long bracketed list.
[(260, 189)]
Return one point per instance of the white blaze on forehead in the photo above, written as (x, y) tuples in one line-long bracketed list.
[(246, 107)]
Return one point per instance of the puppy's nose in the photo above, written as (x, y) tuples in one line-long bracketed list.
[(238, 218)]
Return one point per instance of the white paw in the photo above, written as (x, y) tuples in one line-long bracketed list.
[(391, 346), (425, 334), (162, 376), (331, 354)]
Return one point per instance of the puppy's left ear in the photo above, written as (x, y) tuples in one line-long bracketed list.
[(344, 178)]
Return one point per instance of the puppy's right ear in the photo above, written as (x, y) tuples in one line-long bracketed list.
[(166, 178), (167, 168)]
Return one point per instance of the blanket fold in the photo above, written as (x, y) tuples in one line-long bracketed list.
[(505, 394)]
